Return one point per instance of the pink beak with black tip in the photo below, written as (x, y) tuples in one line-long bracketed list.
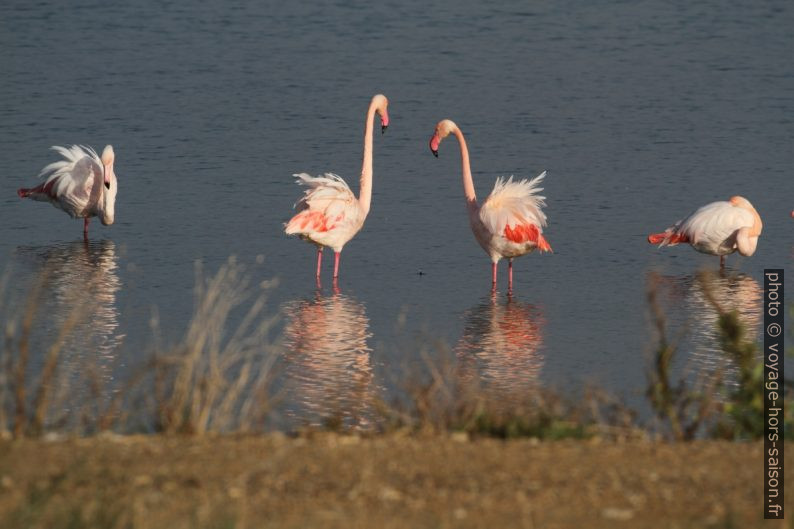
[(434, 141)]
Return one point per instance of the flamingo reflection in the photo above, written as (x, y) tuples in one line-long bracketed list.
[(79, 281), (328, 360), (689, 304), (501, 346)]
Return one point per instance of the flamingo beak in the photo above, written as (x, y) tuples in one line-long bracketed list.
[(107, 172), (384, 122), (434, 141)]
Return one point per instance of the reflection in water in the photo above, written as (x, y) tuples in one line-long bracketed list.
[(328, 361), (689, 305), (79, 284), (500, 347)]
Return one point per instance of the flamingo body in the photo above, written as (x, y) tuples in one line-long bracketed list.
[(719, 228), (82, 184), (510, 222), (329, 214)]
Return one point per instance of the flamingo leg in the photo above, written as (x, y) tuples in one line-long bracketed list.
[(493, 273), (722, 261), (85, 226), (336, 265), (510, 274), (319, 259)]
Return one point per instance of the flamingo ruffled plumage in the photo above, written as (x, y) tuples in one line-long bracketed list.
[(719, 228), (82, 184)]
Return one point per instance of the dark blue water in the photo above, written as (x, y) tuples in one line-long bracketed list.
[(640, 112)]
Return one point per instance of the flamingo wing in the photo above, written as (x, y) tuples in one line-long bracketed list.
[(70, 181), (513, 210), (326, 205)]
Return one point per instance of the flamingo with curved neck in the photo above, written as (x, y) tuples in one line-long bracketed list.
[(719, 228), (510, 222), (82, 184), (329, 214)]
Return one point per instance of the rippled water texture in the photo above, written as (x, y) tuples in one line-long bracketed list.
[(640, 113)]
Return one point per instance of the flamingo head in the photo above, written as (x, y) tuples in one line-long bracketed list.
[(443, 129), (741, 202), (111, 186), (107, 162), (381, 104)]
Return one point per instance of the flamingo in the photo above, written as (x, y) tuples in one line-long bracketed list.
[(510, 222), (329, 214), (74, 184), (719, 228)]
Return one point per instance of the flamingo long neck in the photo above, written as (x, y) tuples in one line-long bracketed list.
[(757, 225), (96, 203), (468, 183), (365, 189)]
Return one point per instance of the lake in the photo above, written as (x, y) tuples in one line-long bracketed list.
[(639, 111)]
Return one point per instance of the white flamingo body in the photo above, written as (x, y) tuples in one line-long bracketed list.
[(510, 222), (505, 222), (719, 228), (82, 184), (329, 214)]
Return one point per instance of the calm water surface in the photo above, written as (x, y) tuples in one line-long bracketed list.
[(640, 112)]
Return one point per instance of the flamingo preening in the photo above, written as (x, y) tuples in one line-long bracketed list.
[(719, 228), (82, 184), (510, 222), (329, 214)]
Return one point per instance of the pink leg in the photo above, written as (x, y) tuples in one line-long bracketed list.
[(722, 261), (510, 274), (319, 259), (85, 226), (336, 265), (493, 270)]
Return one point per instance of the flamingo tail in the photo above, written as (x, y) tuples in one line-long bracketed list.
[(667, 238), (47, 189), (527, 232), (543, 244)]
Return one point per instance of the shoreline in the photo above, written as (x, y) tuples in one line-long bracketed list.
[(391, 480)]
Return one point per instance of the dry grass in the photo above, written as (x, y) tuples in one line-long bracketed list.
[(443, 396), (32, 395), (212, 380), (682, 405), (709, 404), (217, 378)]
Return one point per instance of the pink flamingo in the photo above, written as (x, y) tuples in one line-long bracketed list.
[(510, 222), (719, 228), (75, 184), (329, 214)]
